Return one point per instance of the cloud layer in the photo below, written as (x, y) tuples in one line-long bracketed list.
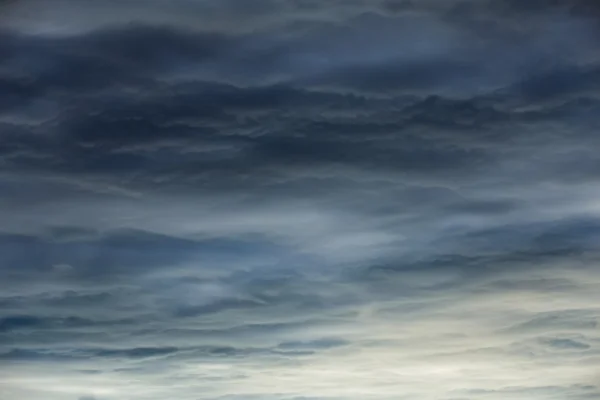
[(260, 200)]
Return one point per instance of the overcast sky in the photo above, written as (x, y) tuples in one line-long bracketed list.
[(299, 200)]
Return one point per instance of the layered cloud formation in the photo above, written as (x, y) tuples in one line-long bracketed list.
[(299, 200)]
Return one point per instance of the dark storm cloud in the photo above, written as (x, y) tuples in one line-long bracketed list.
[(101, 132), (109, 257), (17, 322), (297, 199), (567, 344)]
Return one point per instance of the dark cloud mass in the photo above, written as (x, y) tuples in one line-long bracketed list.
[(299, 200)]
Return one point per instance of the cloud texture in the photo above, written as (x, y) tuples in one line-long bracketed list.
[(299, 200)]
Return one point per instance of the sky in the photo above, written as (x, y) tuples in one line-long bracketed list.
[(299, 200)]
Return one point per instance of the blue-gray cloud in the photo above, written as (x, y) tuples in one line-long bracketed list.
[(299, 200)]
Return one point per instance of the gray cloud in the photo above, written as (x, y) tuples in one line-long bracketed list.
[(299, 200)]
